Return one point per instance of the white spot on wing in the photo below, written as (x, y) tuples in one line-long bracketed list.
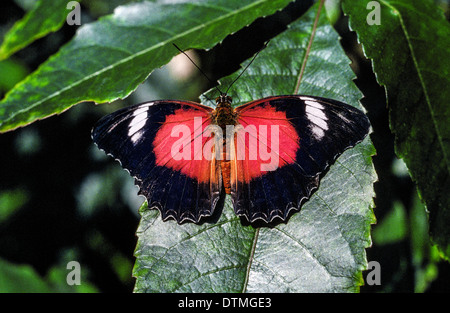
[(307, 98), (317, 117), (315, 114), (317, 121), (317, 132), (139, 119), (136, 137), (314, 104)]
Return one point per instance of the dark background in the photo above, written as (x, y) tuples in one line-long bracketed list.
[(67, 201)]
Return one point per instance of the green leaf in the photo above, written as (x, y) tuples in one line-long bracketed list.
[(11, 201), (393, 227), (12, 72), (321, 248), (21, 278), (108, 59), (425, 257), (47, 16), (410, 50)]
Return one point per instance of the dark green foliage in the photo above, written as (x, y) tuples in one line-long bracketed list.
[(103, 62), (323, 247), (410, 50)]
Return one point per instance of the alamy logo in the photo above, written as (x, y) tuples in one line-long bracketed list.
[(74, 16), (374, 275), (374, 16), (250, 142), (74, 276)]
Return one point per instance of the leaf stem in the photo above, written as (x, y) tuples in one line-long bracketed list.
[(250, 259)]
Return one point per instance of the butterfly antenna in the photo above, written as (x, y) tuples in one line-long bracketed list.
[(213, 83), (254, 57)]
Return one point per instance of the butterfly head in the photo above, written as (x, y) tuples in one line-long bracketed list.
[(223, 99)]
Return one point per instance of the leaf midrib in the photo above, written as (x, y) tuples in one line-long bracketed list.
[(302, 67), (308, 48)]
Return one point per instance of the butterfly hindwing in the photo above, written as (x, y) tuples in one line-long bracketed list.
[(312, 133), (181, 185)]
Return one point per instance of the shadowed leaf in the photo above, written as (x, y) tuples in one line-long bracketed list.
[(410, 50)]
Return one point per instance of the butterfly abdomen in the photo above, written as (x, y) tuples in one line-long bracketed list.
[(225, 166)]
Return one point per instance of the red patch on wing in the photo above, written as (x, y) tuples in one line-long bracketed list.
[(180, 142), (264, 141), (270, 141)]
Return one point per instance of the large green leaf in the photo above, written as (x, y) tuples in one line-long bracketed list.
[(321, 248), (22, 278), (46, 16), (108, 59), (410, 50)]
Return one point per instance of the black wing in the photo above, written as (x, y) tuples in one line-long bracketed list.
[(129, 135), (324, 129)]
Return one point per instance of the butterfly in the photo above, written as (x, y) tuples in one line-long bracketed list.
[(268, 155)]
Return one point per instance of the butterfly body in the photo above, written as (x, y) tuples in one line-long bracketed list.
[(224, 115), (268, 154)]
